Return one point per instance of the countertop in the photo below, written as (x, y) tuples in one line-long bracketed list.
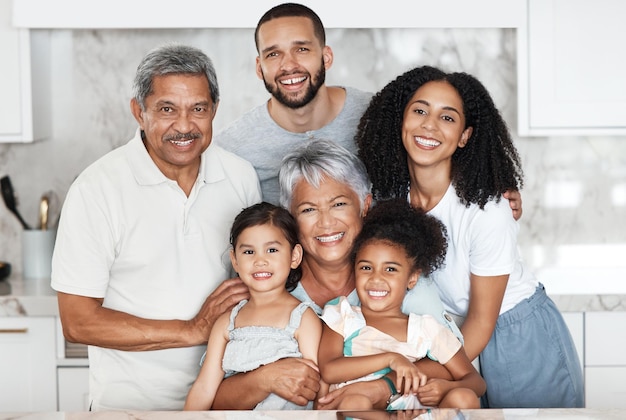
[(35, 297), (439, 414)]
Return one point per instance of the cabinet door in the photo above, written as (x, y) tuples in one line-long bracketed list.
[(605, 360), (25, 82), (605, 387), (571, 72), (605, 339), (73, 384), (10, 82), (28, 364)]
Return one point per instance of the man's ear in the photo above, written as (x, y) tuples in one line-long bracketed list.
[(137, 112), (258, 69), (327, 57), (413, 279)]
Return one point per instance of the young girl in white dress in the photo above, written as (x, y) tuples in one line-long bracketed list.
[(272, 324)]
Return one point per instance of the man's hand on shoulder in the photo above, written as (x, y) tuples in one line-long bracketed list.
[(515, 201), (223, 299)]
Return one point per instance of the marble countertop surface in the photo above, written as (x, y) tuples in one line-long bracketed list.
[(439, 414), (35, 297)]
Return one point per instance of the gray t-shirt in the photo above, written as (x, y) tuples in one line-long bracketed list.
[(257, 138)]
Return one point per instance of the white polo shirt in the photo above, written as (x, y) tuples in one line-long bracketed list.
[(131, 236)]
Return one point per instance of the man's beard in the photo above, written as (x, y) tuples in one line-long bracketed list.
[(311, 92)]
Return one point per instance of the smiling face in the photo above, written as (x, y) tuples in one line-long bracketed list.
[(434, 125), (263, 258), (383, 274), (292, 62), (329, 219), (177, 121)]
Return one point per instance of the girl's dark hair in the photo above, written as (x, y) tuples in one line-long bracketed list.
[(265, 213), (485, 168), (423, 237)]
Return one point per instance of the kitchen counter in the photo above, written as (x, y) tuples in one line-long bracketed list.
[(441, 414), (28, 297)]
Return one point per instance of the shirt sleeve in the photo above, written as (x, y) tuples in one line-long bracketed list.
[(342, 317), (85, 246), (444, 344), (493, 250)]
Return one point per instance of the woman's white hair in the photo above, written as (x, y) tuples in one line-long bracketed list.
[(321, 159)]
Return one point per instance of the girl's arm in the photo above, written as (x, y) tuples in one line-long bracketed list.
[(202, 392), (485, 300), (336, 368), (464, 374), (309, 335)]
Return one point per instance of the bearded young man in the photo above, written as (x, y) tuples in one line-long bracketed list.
[(292, 62)]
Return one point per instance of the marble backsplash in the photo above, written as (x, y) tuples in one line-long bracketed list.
[(574, 195)]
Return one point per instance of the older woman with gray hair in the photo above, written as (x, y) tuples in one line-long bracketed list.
[(327, 189)]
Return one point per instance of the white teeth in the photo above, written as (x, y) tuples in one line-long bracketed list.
[(427, 143), (261, 275), (330, 238), (377, 293), (182, 143), (292, 81)]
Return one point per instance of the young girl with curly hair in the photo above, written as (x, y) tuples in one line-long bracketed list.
[(437, 140), (396, 246)]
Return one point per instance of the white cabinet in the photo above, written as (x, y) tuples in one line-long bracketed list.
[(28, 364), (605, 359), (605, 387), (73, 384), (24, 81), (571, 68)]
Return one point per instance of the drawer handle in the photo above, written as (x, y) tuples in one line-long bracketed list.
[(13, 330)]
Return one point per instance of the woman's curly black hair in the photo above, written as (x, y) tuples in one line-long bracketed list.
[(485, 168), (422, 236)]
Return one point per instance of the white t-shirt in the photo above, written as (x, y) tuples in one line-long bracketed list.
[(482, 242), (131, 236)]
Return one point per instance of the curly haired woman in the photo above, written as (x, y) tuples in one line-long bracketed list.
[(438, 140)]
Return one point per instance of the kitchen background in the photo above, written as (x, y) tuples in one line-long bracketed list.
[(574, 197)]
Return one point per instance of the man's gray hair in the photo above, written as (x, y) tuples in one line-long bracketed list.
[(173, 59), (319, 159)]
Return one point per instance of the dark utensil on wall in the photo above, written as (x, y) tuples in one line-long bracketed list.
[(9, 199)]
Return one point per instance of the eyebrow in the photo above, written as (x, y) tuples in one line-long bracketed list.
[(170, 103), (384, 262), (244, 245), (447, 108), (310, 203), (294, 43)]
